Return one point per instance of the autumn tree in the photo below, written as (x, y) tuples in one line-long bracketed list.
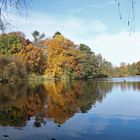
[(138, 67), (33, 57), (61, 57), (11, 68), (127, 69)]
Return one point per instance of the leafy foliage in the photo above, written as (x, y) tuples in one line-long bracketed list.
[(11, 68), (127, 69), (12, 43), (12, 115), (56, 57), (61, 57), (33, 58), (65, 59), (38, 39)]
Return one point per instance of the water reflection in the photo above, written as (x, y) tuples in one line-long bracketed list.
[(56, 101), (135, 86)]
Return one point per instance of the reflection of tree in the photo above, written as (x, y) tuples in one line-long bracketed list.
[(136, 86), (128, 85), (62, 103), (39, 119), (20, 99), (90, 92), (65, 99), (57, 101), (13, 116), (10, 93), (103, 88)]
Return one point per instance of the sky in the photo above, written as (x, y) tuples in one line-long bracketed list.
[(91, 22)]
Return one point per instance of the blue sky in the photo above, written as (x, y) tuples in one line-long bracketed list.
[(93, 22)]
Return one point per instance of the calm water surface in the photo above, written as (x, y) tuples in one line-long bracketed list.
[(106, 109)]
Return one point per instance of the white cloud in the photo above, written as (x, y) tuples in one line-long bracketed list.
[(98, 26), (70, 26), (119, 47)]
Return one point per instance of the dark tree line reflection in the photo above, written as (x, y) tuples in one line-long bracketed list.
[(57, 101)]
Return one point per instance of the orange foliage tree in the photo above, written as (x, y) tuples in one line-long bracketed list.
[(61, 58), (33, 57)]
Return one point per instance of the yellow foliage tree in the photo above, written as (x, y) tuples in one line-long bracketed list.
[(61, 57)]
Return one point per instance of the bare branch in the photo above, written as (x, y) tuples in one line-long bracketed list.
[(131, 14), (19, 5)]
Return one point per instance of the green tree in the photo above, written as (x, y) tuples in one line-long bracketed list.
[(87, 61), (38, 38), (57, 33), (85, 48), (138, 67), (12, 43)]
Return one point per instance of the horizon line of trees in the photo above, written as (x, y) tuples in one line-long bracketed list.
[(56, 58), (127, 69)]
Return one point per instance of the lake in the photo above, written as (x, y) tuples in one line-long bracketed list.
[(102, 109)]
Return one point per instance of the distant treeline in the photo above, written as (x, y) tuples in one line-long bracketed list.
[(127, 69), (55, 58)]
